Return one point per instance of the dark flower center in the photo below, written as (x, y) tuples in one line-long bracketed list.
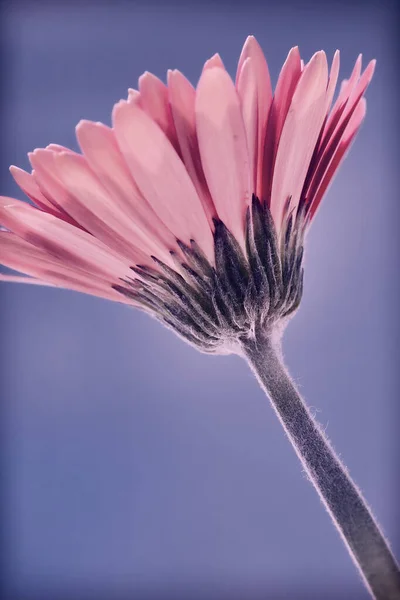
[(214, 307)]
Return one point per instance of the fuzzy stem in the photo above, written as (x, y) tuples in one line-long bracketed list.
[(344, 502)]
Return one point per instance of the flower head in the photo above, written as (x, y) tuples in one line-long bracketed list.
[(194, 205)]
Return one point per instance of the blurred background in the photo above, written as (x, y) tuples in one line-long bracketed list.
[(132, 465)]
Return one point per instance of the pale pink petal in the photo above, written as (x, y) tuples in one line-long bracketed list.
[(28, 185), (287, 82), (214, 61), (223, 148), (89, 203), (253, 50), (361, 86), (60, 240), (333, 77), (101, 219), (341, 149), (134, 97), (261, 95), (32, 185), (101, 150), (45, 182), (327, 149), (321, 145), (182, 97), (44, 269), (161, 176), (58, 148), (257, 91), (285, 88), (155, 102), (342, 98), (246, 86), (299, 136), (350, 95)]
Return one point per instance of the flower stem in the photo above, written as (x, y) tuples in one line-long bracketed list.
[(344, 502)]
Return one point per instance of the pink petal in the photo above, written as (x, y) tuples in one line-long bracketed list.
[(28, 185), (61, 241), (87, 201), (285, 88), (247, 91), (253, 50), (101, 150), (182, 96), (349, 97), (134, 97), (67, 178), (46, 270), (333, 77), (339, 154), (161, 176), (58, 148), (327, 149), (299, 136), (255, 90), (341, 100), (214, 61), (223, 148), (155, 102), (321, 145), (361, 86), (47, 186), (287, 82)]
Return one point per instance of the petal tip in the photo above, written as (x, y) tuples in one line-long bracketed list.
[(118, 108), (214, 62), (83, 124)]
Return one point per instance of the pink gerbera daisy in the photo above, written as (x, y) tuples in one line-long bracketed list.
[(194, 206)]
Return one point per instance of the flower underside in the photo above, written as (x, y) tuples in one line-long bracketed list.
[(214, 307), (158, 212)]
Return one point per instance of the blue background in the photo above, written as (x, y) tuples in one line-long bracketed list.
[(133, 466)]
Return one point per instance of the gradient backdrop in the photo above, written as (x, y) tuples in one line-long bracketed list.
[(133, 466)]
